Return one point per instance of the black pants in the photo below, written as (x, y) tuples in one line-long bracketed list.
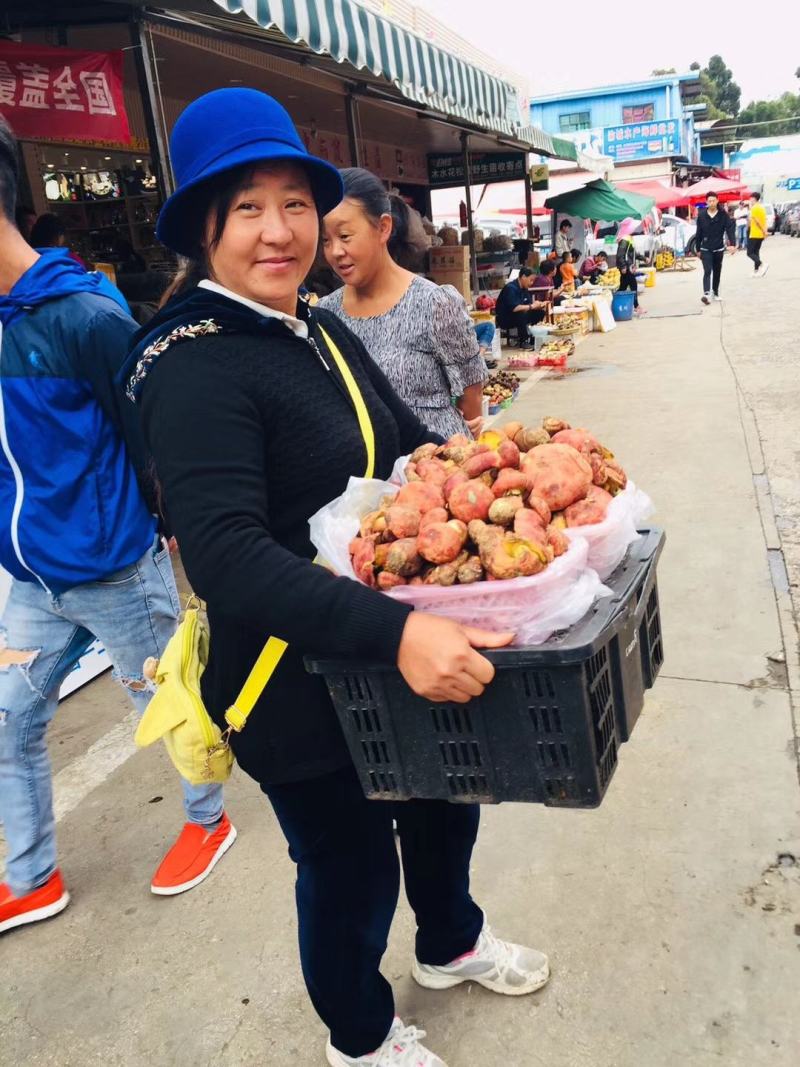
[(628, 281), (754, 250), (712, 269), (348, 880), (521, 320)]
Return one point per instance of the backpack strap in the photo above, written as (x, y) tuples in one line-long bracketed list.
[(257, 680)]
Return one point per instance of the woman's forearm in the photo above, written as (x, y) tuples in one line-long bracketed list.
[(470, 403)]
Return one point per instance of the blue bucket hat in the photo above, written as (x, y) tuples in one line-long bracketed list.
[(225, 129)]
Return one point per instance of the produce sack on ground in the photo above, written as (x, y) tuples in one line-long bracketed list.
[(532, 607), (608, 541)]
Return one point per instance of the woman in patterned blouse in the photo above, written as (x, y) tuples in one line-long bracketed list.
[(418, 333)]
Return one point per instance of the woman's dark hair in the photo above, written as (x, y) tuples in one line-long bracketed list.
[(564, 224), (547, 267), (46, 231), (408, 242), (601, 255), (9, 170)]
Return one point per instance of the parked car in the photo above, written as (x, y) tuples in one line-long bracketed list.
[(770, 210), (646, 238), (678, 234), (791, 220)]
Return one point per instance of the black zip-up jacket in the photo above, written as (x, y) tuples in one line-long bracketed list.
[(711, 232), (251, 435)]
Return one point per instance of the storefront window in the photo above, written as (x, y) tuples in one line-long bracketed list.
[(108, 202), (639, 113), (576, 120)]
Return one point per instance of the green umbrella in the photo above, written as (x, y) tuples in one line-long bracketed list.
[(599, 200)]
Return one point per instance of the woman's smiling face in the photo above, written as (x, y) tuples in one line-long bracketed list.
[(270, 237)]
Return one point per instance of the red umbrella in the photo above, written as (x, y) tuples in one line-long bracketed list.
[(664, 195), (723, 187), (522, 211)]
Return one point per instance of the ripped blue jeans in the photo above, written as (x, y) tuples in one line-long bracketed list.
[(133, 612)]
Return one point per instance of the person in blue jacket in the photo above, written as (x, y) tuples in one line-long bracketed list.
[(81, 546)]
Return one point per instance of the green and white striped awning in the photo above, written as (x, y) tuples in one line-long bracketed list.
[(420, 70)]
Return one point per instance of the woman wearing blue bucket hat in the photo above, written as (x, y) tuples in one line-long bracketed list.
[(257, 411)]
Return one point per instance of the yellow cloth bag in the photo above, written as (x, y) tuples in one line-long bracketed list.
[(201, 751)]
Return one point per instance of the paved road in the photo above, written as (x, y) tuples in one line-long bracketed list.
[(671, 923)]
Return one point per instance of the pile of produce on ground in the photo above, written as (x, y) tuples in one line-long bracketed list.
[(611, 278), (556, 352), (490, 509), (569, 323), (501, 388)]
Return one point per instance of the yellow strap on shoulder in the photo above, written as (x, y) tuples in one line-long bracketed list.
[(364, 422), (257, 680)]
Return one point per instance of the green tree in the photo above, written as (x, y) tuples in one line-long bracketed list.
[(778, 113), (726, 93)]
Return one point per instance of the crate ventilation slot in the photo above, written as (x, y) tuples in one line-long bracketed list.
[(468, 785), (366, 720), (451, 720), (358, 689), (538, 685)]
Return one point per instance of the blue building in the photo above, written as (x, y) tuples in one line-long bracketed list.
[(648, 123)]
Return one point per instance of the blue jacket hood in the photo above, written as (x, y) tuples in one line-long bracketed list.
[(53, 275)]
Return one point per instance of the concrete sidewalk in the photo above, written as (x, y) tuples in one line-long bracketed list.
[(671, 921)]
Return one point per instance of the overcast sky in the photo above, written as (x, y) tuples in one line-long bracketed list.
[(589, 42)]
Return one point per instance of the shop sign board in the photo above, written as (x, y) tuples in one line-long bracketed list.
[(539, 175), (447, 171), (60, 94), (642, 140)]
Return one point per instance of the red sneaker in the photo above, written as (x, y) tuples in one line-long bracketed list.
[(42, 903), (192, 858)]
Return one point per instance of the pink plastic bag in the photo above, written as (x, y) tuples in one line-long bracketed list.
[(533, 608), (608, 541)]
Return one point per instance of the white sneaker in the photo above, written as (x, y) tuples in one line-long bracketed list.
[(497, 965), (706, 298), (762, 270), (717, 298), (401, 1048)]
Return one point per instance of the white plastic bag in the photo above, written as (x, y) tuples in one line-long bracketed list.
[(608, 540), (533, 608)]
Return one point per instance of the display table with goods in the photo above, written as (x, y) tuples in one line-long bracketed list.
[(504, 533)]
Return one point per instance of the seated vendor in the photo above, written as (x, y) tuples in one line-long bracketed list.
[(592, 268), (517, 308), (568, 273), (545, 284)]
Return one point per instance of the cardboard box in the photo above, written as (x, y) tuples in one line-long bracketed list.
[(450, 258), (459, 279)]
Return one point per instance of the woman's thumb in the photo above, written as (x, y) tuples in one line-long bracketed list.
[(487, 638)]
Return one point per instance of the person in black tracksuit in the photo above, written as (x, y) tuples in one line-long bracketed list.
[(714, 225), (253, 428)]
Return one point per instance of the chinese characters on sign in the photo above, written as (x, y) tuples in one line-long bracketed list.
[(642, 140), (58, 94), (485, 168)]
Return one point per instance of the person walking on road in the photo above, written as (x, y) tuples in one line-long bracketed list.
[(626, 262), (758, 234), (714, 227), (291, 406), (742, 225), (81, 545)]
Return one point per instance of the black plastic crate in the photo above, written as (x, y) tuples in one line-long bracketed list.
[(546, 730)]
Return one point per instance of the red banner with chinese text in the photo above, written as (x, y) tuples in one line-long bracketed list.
[(59, 94)]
